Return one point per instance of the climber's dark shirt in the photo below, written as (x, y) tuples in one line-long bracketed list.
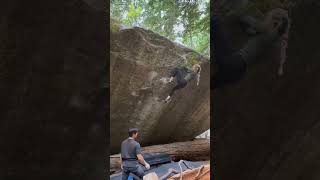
[(129, 151)]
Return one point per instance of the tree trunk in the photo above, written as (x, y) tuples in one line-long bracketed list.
[(196, 150)]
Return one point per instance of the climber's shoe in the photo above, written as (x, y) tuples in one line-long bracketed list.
[(167, 99), (170, 79)]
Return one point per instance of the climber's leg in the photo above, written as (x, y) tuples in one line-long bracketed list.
[(178, 86), (178, 74)]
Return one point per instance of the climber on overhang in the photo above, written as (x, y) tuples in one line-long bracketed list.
[(231, 64), (183, 75)]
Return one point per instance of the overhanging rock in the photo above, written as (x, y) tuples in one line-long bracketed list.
[(139, 59)]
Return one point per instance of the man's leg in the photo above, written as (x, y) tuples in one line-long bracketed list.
[(138, 172), (125, 174)]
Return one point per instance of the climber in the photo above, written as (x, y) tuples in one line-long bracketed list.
[(232, 64), (131, 156), (183, 75)]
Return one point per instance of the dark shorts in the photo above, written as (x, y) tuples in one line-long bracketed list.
[(138, 171)]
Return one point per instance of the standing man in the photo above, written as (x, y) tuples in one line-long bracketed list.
[(131, 156)]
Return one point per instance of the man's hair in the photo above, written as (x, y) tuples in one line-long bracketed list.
[(132, 131)]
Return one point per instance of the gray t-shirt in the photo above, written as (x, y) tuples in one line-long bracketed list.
[(129, 151)]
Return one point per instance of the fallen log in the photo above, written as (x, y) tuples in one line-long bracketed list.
[(196, 150)]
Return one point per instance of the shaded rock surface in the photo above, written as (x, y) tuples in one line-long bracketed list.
[(139, 60), (267, 127), (53, 101)]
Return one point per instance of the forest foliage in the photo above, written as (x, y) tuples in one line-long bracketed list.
[(183, 21)]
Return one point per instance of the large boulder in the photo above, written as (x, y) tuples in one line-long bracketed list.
[(139, 60), (267, 127)]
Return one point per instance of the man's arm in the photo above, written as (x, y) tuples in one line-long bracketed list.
[(141, 159)]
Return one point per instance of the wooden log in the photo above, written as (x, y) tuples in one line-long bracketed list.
[(196, 150)]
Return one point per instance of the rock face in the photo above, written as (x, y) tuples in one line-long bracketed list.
[(267, 127), (139, 59), (53, 100)]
